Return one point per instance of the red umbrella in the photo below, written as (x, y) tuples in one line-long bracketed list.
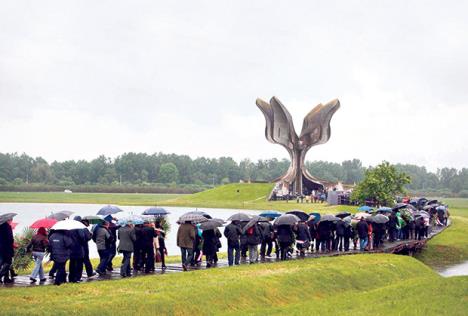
[(45, 222)]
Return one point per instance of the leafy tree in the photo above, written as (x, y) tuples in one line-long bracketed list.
[(168, 173), (381, 184)]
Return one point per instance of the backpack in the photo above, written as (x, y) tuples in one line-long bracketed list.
[(250, 231)]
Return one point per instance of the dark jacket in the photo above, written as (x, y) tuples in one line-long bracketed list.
[(255, 237), (362, 229), (126, 237), (78, 237), (324, 230), (103, 238), (340, 228), (285, 234), (59, 246), (232, 232), (38, 243), (147, 237), (186, 236), (210, 242), (392, 221), (302, 232), (243, 236), (6, 241), (267, 230)]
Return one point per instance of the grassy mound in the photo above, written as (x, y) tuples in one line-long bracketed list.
[(366, 284)]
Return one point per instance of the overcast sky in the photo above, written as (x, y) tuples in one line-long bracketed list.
[(84, 78)]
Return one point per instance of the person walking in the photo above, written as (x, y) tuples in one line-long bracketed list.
[(78, 238), (137, 248), (267, 239), (254, 238), (59, 246), (362, 230), (285, 236), (162, 243), (210, 242), (103, 239), (86, 261), (185, 240), (147, 244), (127, 237), (340, 235), (38, 246), (112, 248), (232, 232), (6, 251), (302, 238), (392, 227)]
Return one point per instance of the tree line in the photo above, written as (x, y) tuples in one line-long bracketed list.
[(159, 168)]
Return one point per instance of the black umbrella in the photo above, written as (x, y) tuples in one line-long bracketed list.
[(193, 218), (286, 219), (210, 224), (156, 211), (108, 210), (399, 205), (204, 214), (329, 218), (60, 216), (303, 216), (343, 214), (254, 220), (432, 202), (378, 219), (6, 217), (428, 207), (241, 217)]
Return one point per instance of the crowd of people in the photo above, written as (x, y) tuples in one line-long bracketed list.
[(249, 238)]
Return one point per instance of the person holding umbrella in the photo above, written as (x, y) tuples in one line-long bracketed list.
[(6, 246), (103, 239), (86, 261), (162, 242), (254, 238), (210, 242), (77, 252), (185, 240), (285, 237), (126, 237), (232, 232), (363, 230), (59, 246), (38, 245)]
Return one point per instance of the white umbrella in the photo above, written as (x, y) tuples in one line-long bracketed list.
[(68, 224)]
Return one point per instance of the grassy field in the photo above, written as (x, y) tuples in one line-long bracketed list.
[(451, 246), (87, 198), (361, 285)]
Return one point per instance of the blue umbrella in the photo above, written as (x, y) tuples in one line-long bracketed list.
[(156, 211), (109, 209), (365, 208), (316, 216), (271, 214)]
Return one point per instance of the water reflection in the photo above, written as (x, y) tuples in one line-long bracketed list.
[(459, 269), (30, 212)]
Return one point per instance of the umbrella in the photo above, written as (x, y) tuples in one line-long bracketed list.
[(316, 217), (241, 217), (60, 216), (219, 220), (271, 214), (302, 215), (210, 224), (156, 211), (385, 209), (399, 205), (347, 220), (329, 218), (68, 224), (286, 219), (441, 208), (422, 214), (428, 207), (204, 214), (45, 222), (6, 217), (365, 208), (109, 209), (379, 219), (411, 207), (361, 214), (93, 219), (431, 202), (343, 214), (194, 218), (254, 220)]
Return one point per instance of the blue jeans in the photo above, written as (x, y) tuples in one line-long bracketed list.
[(104, 256), (187, 254), (38, 270), (363, 243), (233, 254)]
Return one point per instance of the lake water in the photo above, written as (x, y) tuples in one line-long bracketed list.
[(30, 212), (459, 269)]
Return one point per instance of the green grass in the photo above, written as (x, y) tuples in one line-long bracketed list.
[(450, 247), (87, 198), (361, 284)]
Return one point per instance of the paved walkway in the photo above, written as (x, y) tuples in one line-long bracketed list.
[(389, 247)]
